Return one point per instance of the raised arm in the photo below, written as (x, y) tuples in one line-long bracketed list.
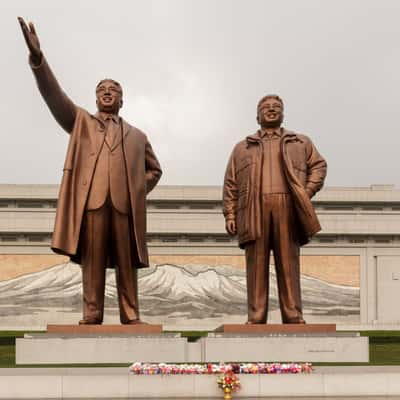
[(62, 108)]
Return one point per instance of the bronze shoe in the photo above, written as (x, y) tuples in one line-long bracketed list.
[(90, 321)]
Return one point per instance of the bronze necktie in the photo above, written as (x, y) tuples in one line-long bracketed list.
[(111, 131)]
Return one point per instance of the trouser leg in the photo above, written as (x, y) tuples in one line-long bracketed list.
[(124, 251), (94, 250), (257, 273), (287, 259)]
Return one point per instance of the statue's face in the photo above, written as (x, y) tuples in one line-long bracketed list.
[(270, 113), (109, 97)]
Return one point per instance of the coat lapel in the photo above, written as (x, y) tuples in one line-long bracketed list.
[(125, 130)]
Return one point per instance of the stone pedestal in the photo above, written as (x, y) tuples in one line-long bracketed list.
[(286, 348), (284, 342), (100, 349), (114, 344)]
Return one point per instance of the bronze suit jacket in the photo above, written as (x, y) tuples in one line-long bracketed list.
[(87, 135), (305, 171)]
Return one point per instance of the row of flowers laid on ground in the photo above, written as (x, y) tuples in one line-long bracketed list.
[(138, 368)]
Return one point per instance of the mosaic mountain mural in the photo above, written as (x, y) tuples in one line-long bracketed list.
[(175, 291)]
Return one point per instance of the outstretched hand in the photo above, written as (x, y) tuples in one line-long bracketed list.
[(32, 41)]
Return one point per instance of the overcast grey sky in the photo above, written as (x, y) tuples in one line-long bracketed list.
[(193, 71)]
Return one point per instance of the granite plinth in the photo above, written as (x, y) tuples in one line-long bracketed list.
[(87, 348), (285, 347), (105, 329), (277, 328)]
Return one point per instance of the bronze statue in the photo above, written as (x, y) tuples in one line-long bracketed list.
[(269, 181), (101, 212)]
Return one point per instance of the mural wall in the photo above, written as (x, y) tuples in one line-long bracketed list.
[(181, 292)]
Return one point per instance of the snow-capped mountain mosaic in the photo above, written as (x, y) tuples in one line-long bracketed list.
[(172, 293)]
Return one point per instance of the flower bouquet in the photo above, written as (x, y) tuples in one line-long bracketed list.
[(229, 383)]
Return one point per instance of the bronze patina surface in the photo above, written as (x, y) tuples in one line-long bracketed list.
[(269, 181), (109, 168)]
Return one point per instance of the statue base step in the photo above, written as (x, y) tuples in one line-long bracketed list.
[(277, 328), (105, 329)]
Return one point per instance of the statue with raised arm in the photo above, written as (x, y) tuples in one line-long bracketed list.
[(109, 169), (269, 181)]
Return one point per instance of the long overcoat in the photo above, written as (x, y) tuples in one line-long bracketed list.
[(305, 171), (87, 134)]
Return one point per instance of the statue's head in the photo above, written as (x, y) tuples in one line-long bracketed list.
[(270, 111), (109, 96)]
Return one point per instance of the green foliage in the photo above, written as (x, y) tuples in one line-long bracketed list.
[(385, 352), (193, 336), (7, 355), (375, 334)]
